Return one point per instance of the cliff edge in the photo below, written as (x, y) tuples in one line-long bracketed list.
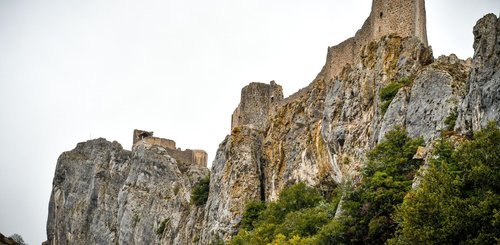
[(103, 194)]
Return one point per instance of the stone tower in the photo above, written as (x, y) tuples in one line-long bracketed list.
[(405, 18), (402, 17), (257, 100)]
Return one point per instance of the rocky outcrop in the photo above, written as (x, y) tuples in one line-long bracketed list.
[(236, 179), (482, 103), (353, 120), (435, 97), (7, 240), (103, 194), (320, 135)]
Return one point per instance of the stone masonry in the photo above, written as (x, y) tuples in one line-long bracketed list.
[(403, 18), (188, 156), (257, 100)]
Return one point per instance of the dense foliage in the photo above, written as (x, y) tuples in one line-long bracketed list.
[(456, 200), (199, 195), (368, 209), (299, 211)]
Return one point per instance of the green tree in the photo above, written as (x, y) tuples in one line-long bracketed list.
[(458, 200), (368, 208), (251, 214), (299, 211), (199, 195)]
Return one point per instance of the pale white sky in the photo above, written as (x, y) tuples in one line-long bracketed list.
[(71, 70)]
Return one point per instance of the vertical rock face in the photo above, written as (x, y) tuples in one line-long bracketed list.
[(236, 179), (293, 147), (103, 194), (353, 120), (482, 103), (434, 97), (83, 204)]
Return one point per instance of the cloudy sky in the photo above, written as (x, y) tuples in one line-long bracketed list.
[(74, 70)]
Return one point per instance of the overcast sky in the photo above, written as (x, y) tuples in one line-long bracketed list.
[(74, 70)]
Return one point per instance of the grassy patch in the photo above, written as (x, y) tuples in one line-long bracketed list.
[(161, 228), (390, 91)]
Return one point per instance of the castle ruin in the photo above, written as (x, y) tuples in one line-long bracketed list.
[(257, 100), (405, 18), (145, 138)]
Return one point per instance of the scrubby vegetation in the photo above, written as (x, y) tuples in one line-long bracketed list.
[(199, 195), (450, 120), (299, 212), (388, 92), (161, 228), (456, 202)]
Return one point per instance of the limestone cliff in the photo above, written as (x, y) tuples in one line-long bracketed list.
[(103, 194), (320, 134), (481, 104)]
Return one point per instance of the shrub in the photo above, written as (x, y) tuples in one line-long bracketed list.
[(199, 195), (161, 228), (384, 106), (450, 120), (368, 209), (299, 211), (18, 238), (458, 199), (251, 214), (388, 92)]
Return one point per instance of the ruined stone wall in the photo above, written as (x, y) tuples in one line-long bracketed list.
[(403, 18), (198, 157), (165, 143), (139, 135), (257, 99), (341, 55), (145, 138)]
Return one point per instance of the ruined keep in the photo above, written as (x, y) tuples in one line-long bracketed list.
[(403, 18), (387, 17), (257, 100), (188, 156)]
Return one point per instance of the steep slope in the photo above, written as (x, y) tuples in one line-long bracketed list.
[(103, 194), (482, 103), (320, 135)]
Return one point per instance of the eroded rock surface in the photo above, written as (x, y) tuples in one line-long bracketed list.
[(103, 194), (235, 180), (482, 103)]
